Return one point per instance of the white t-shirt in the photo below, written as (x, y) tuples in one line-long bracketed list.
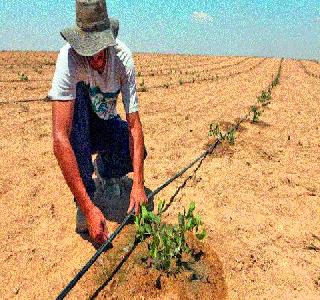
[(118, 76)]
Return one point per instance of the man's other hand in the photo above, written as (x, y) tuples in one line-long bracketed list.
[(97, 225), (137, 197)]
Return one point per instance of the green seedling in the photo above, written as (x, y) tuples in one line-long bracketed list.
[(23, 77), (215, 131), (230, 136), (256, 113), (143, 88), (275, 81), (167, 242), (264, 98), (180, 81)]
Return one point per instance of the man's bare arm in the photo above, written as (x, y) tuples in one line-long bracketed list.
[(136, 142), (62, 117)]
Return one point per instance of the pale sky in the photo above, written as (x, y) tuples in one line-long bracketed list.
[(245, 27)]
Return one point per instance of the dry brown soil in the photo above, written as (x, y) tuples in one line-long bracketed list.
[(259, 199)]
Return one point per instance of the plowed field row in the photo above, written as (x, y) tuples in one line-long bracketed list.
[(31, 90), (45, 72), (311, 68), (193, 69), (163, 60), (170, 68), (176, 80), (26, 59), (36, 59)]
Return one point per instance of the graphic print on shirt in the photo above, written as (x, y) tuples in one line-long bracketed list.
[(103, 104)]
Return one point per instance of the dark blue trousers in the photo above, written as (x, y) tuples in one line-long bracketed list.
[(91, 134)]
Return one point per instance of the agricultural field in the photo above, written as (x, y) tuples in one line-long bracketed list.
[(258, 194)]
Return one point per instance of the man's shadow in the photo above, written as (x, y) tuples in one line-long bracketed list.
[(113, 200)]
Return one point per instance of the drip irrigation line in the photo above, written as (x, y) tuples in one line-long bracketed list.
[(107, 243)]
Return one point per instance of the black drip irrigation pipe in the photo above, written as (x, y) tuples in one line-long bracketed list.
[(107, 243)]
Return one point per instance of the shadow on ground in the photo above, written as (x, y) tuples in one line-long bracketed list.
[(113, 201)]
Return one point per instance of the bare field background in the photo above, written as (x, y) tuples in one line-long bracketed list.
[(259, 199)]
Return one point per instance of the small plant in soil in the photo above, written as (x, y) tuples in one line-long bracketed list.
[(143, 88), (256, 113), (275, 81), (264, 98), (180, 81), (230, 136), (215, 131), (168, 243), (23, 77)]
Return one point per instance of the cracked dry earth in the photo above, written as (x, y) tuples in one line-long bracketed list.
[(259, 199)]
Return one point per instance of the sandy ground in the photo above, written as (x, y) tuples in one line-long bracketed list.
[(260, 200)]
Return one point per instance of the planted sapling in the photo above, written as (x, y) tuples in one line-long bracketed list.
[(256, 113), (264, 98), (143, 88), (230, 136), (23, 77), (168, 242), (215, 131)]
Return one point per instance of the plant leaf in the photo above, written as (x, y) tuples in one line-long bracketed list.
[(201, 236)]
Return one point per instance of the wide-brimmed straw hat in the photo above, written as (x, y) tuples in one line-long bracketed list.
[(94, 30)]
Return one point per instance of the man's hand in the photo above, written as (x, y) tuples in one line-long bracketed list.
[(97, 225), (137, 197)]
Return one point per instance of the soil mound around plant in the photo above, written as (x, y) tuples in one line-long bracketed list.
[(201, 275)]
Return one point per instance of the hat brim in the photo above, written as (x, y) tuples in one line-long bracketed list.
[(90, 43)]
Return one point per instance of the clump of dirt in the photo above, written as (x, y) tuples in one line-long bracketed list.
[(201, 274), (223, 149)]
